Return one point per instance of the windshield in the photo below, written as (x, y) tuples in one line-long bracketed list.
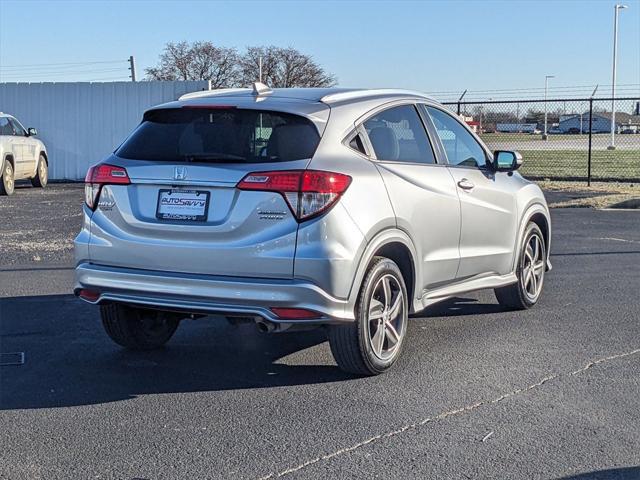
[(223, 134)]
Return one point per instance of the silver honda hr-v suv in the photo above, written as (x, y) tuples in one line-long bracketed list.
[(291, 208)]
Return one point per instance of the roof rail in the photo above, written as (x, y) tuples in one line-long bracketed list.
[(213, 93), (355, 94)]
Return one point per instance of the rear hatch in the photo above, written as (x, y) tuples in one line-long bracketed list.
[(181, 210)]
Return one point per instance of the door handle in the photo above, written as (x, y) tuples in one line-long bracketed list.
[(466, 184)]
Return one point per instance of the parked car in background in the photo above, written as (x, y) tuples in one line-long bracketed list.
[(22, 156), (288, 208)]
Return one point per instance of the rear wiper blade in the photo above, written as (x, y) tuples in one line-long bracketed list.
[(212, 157)]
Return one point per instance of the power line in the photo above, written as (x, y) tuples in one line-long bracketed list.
[(46, 74), (121, 78), (38, 65)]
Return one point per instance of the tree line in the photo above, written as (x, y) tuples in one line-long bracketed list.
[(228, 67)]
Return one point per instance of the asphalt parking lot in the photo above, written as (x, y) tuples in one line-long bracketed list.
[(479, 392)]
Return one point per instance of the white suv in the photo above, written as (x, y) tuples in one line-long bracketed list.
[(22, 156)]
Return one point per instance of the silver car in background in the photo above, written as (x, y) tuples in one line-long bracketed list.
[(291, 208), (22, 156)]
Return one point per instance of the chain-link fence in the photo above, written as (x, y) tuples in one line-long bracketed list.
[(563, 139)]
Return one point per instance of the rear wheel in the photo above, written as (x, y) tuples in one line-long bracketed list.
[(7, 184), (137, 328), (42, 173), (373, 343), (530, 272)]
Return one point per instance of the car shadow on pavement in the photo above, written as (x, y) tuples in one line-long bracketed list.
[(628, 473), (70, 361)]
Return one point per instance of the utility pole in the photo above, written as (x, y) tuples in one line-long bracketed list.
[(132, 67), (260, 69), (590, 135), (617, 8)]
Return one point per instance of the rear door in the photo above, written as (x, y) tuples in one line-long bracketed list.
[(422, 192), (31, 151), (488, 202), (7, 138), (182, 211)]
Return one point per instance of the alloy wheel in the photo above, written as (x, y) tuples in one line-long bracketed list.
[(42, 172), (9, 182), (386, 320), (533, 266)]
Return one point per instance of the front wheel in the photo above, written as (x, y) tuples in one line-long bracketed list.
[(138, 328), (373, 343), (7, 184), (42, 173), (530, 272)]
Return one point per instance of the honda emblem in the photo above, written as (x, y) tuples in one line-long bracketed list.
[(180, 173)]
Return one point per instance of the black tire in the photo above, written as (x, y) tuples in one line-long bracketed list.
[(351, 344), (137, 328), (516, 296), (7, 185), (42, 173)]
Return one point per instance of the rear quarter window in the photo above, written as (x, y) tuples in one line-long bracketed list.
[(221, 135)]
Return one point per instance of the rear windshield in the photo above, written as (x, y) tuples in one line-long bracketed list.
[(221, 135)]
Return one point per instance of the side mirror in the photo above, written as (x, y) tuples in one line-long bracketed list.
[(506, 160), (31, 132)]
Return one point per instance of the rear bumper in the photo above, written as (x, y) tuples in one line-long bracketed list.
[(210, 294)]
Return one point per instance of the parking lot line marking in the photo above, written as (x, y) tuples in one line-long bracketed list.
[(450, 413), (487, 436), (613, 239)]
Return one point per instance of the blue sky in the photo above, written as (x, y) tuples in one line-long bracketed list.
[(433, 46)]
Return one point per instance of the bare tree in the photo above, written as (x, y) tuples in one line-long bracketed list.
[(218, 64), (174, 63), (198, 61), (283, 67)]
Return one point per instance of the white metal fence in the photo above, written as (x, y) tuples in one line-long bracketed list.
[(82, 123)]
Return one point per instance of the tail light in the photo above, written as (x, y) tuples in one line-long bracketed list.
[(99, 175), (307, 192)]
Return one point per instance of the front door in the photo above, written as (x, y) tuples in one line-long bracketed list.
[(25, 165), (488, 202), (421, 191)]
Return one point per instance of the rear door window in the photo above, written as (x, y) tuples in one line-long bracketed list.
[(397, 134), (221, 135)]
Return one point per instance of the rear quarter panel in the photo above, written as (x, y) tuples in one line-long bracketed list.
[(330, 248)]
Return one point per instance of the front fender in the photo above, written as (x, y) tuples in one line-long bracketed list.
[(534, 207), (43, 150)]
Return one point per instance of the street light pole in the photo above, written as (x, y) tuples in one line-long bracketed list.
[(617, 8), (546, 83)]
